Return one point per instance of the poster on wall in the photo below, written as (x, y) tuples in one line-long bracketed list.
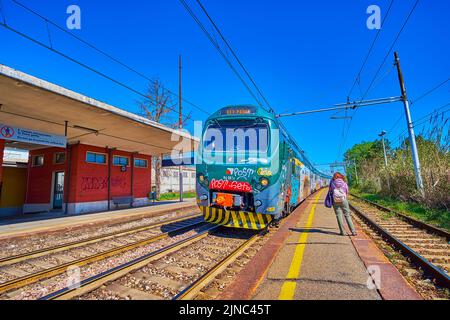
[(31, 136)]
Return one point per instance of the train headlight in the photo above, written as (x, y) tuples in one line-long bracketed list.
[(258, 203), (264, 182), (203, 197)]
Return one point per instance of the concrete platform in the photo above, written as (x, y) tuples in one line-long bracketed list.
[(316, 262), (23, 226), (307, 259)]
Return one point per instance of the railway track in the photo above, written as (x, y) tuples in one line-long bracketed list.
[(177, 271), (427, 247), (19, 271), (41, 241)]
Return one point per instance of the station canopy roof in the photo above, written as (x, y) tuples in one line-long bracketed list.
[(35, 104)]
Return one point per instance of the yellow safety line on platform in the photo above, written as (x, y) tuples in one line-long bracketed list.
[(288, 288)]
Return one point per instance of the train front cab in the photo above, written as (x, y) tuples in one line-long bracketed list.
[(254, 184)]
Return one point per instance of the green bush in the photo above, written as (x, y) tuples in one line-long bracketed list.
[(395, 185)]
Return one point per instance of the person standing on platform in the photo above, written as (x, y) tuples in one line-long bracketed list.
[(337, 198)]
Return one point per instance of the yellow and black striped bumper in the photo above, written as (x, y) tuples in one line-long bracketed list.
[(236, 219)]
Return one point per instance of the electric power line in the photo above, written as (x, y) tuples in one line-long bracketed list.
[(216, 45), (357, 79), (104, 53), (430, 91), (2, 10), (234, 54), (428, 117), (390, 48), (74, 127), (415, 100), (382, 64), (80, 63)]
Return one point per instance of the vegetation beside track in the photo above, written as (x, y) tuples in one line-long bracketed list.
[(394, 185), (176, 195), (439, 218)]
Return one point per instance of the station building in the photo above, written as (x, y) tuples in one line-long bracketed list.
[(84, 155)]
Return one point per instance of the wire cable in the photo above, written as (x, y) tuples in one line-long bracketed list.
[(430, 91), (216, 45), (81, 64), (428, 117), (104, 53), (234, 54), (382, 64), (2, 10), (358, 76), (390, 48)]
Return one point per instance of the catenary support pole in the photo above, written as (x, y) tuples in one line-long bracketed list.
[(412, 137)]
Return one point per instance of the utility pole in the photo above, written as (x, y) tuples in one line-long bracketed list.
[(180, 119), (412, 137), (385, 156)]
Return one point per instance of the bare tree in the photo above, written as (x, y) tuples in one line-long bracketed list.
[(160, 107)]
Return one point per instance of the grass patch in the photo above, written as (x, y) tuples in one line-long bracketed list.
[(439, 218), (176, 195)]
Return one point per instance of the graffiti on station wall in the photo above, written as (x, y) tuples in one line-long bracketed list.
[(94, 183), (101, 183)]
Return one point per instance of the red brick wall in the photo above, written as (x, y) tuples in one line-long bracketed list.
[(88, 181)]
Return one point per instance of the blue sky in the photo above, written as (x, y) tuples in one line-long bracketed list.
[(302, 54)]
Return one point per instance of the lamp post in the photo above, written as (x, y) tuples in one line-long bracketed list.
[(384, 146)]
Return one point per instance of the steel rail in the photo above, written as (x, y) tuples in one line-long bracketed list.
[(34, 277), (75, 244), (193, 289), (419, 224), (440, 277), (112, 274)]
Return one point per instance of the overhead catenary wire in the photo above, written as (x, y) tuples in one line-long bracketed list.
[(382, 64), (234, 54), (80, 63), (98, 132), (2, 10), (430, 91), (357, 78), (428, 117), (104, 53), (391, 48), (380, 79), (434, 88), (216, 45)]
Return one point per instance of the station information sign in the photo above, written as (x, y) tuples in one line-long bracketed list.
[(8, 132)]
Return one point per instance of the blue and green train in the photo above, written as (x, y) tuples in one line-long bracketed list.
[(250, 172)]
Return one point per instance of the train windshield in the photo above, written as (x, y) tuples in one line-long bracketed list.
[(236, 137)]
